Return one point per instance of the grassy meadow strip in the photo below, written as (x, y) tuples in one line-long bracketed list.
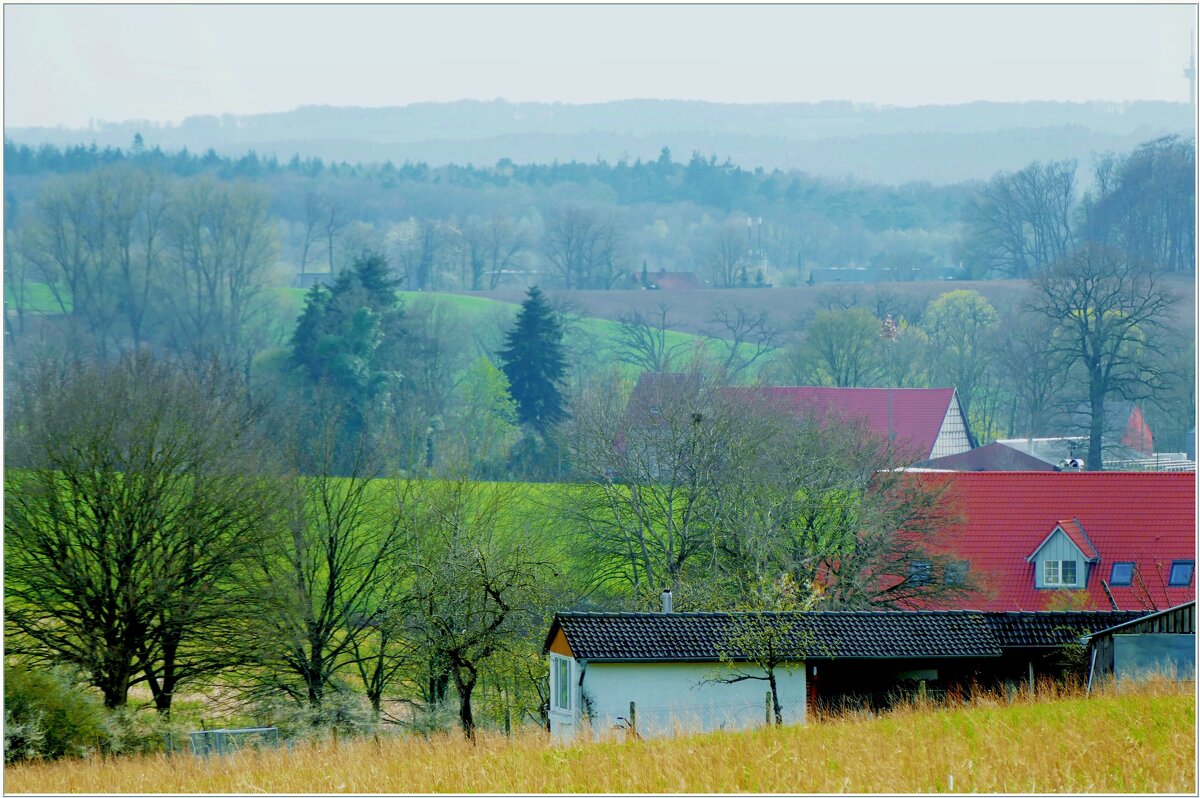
[(1137, 741)]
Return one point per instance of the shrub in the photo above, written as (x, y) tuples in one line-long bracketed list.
[(50, 714), (341, 710), (145, 732)]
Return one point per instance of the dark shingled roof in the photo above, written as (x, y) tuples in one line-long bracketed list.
[(1044, 629), (992, 457), (700, 636)]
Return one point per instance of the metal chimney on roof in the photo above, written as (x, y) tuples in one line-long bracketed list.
[(666, 599)]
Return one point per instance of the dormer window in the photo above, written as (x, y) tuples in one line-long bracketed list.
[(1062, 560), (1058, 573)]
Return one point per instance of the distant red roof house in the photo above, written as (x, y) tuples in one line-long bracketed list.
[(929, 421), (1124, 423), (1028, 537)]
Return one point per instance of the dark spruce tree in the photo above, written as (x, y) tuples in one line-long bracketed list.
[(534, 363), (350, 344)]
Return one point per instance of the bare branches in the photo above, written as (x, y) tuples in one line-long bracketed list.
[(641, 339), (748, 336), (585, 249), (1018, 224), (1106, 309), (130, 515)]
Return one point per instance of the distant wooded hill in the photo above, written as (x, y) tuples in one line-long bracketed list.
[(939, 144)]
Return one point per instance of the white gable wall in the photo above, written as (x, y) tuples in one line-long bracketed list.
[(674, 697), (952, 438)]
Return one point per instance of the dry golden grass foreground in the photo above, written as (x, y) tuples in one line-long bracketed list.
[(1140, 740)]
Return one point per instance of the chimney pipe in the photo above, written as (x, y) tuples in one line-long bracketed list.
[(666, 599)]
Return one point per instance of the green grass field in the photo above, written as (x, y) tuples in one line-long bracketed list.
[(37, 298), (1137, 741)]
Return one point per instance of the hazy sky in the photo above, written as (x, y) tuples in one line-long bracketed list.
[(68, 64)]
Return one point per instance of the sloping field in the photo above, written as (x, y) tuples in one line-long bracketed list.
[(691, 309), (1135, 742)]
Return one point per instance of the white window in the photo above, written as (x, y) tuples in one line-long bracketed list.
[(560, 683), (1058, 573)]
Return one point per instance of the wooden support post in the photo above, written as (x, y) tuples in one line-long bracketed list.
[(335, 736), (921, 690), (767, 705), (1031, 678), (633, 720)]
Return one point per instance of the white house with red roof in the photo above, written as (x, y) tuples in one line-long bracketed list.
[(929, 421), (1121, 538)]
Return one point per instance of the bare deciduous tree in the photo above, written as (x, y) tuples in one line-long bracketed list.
[(584, 248), (1018, 224), (493, 248), (642, 341), (747, 336), (476, 587), (131, 508), (1108, 311), (221, 245), (727, 256), (326, 577), (839, 348)]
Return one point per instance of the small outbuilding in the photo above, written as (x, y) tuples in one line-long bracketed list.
[(1162, 643), (662, 673)]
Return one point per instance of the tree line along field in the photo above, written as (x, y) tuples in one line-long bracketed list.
[(690, 309), (1136, 740)]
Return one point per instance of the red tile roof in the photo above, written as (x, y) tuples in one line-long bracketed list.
[(1072, 529), (1148, 518), (917, 414)]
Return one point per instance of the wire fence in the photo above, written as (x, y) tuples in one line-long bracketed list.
[(228, 741)]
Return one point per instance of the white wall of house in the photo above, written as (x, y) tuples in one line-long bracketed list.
[(952, 437), (1059, 549), (671, 698)]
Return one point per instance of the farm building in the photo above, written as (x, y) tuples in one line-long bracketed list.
[(1088, 540), (1159, 643), (668, 672), (994, 456), (927, 422)]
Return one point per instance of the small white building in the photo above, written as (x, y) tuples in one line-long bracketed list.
[(669, 666)]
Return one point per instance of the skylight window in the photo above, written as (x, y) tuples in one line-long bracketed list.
[(956, 572), (1181, 573), (1122, 574), (918, 573)]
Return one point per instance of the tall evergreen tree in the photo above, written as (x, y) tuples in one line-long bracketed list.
[(534, 363), (351, 340)]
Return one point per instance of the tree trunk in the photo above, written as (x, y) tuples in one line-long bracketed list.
[(314, 679), (466, 685), (775, 697), (1095, 460), (163, 683)]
